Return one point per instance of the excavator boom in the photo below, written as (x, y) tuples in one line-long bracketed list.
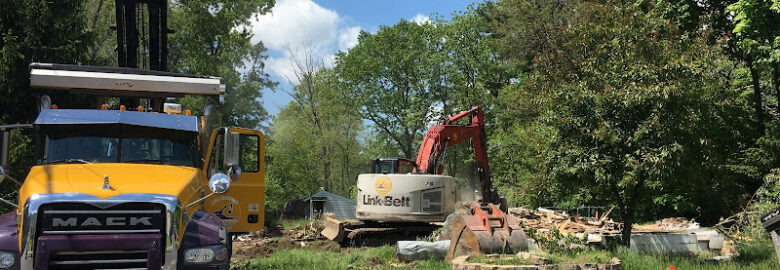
[(434, 146)]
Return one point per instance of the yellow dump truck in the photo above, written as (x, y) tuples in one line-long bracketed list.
[(130, 187)]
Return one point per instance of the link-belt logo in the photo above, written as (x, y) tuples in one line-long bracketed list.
[(403, 201), (95, 221), (383, 185)]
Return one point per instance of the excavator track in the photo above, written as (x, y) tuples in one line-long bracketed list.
[(381, 236), (368, 233)]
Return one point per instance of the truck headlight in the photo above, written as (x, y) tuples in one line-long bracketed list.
[(205, 254), (7, 259)]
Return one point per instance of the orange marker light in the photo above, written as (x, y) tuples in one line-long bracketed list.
[(140, 108), (188, 112), (104, 106), (54, 107), (122, 107)]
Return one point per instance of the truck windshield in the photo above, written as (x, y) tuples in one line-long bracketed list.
[(119, 144)]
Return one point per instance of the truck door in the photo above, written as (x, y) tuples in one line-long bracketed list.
[(241, 208)]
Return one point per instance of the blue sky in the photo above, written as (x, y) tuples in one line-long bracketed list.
[(325, 27)]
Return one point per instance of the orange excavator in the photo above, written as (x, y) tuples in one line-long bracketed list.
[(401, 196)]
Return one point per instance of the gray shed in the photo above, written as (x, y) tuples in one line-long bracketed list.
[(326, 202)]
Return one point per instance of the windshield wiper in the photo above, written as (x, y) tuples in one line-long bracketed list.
[(69, 160), (158, 161)]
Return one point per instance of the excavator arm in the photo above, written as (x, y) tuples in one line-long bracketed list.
[(485, 228), (434, 147)]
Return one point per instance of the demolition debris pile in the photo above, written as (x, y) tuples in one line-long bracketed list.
[(667, 236), (545, 221)]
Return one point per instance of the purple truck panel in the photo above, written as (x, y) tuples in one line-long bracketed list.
[(48, 244), (9, 233), (202, 230), (9, 236)]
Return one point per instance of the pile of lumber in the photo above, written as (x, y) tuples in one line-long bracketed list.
[(545, 221), (670, 225)]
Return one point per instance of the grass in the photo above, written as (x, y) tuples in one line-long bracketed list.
[(503, 260), (357, 258), (586, 256), (290, 224), (758, 255)]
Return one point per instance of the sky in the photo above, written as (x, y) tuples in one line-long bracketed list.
[(326, 27)]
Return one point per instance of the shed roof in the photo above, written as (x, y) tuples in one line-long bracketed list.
[(324, 195)]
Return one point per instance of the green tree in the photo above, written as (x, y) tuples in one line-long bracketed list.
[(396, 79), (314, 139), (34, 31), (211, 39), (627, 96), (101, 15), (757, 29)]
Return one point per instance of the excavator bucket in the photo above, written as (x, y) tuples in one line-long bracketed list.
[(334, 229), (486, 230)]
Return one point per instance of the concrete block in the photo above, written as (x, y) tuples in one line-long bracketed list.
[(716, 243), (664, 243)]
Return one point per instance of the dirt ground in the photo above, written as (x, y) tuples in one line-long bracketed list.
[(266, 242)]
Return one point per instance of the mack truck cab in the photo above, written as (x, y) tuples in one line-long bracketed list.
[(130, 188)]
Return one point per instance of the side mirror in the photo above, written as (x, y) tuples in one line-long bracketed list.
[(234, 172), (232, 154), (219, 183)]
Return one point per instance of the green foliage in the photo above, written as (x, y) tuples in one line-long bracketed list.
[(394, 77), (557, 242), (766, 198), (756, 27), (28, 33), (211, 39), (626, 97), (313, 142)]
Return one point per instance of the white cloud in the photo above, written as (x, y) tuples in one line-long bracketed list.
[(281, 66), (294, 22), (284, 65), (348, 38), (294, 28), (421, 19)]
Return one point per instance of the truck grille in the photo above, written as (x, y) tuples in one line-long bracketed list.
[(99, 260), (77, 218), (66, 219)]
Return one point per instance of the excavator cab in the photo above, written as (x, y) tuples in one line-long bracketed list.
[(392, 165)]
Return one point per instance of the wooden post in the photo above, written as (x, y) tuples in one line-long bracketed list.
[(776, 240)]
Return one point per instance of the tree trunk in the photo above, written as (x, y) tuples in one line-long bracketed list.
[(628, 220), (96, 16), (754, 75), (325, 155), (776, 81)]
